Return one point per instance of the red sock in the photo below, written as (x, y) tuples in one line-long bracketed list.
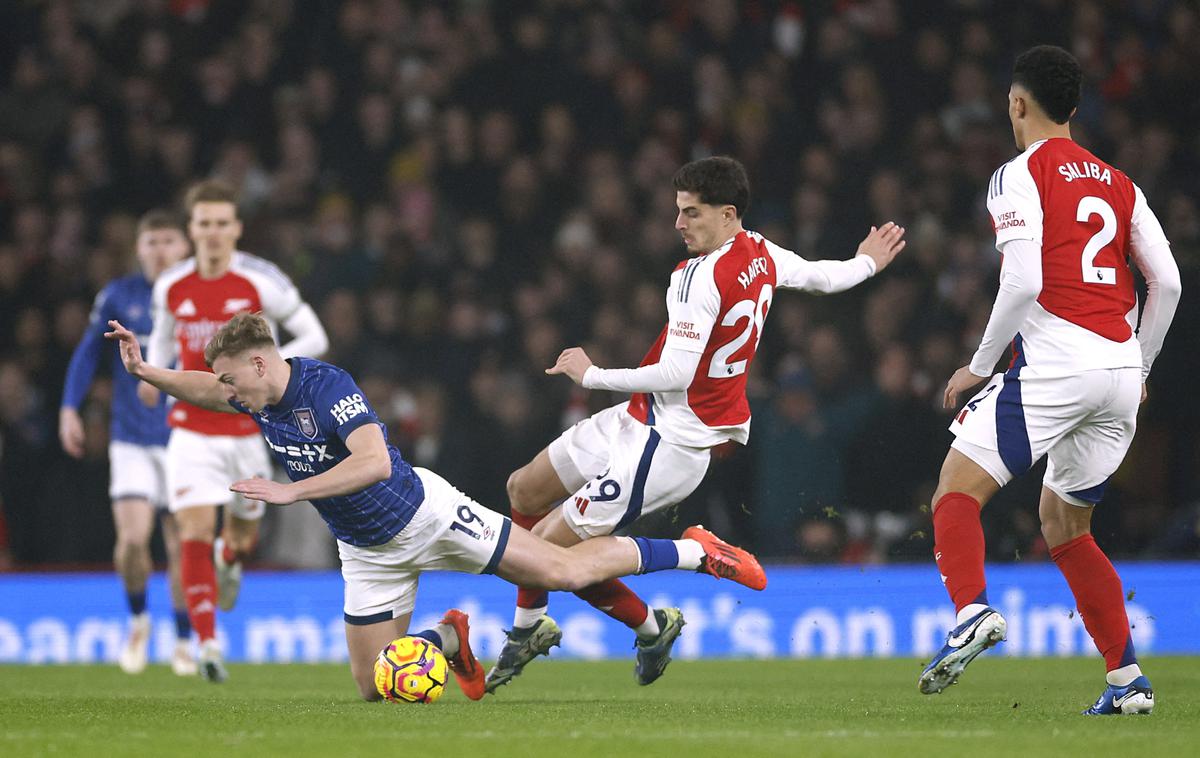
[(958, 548), (1099, 597), (199, 582), (527, 598), (617, 600)]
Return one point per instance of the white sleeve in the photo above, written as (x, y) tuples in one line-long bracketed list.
[(1015, 203), (672, 373), (824, 277), (308, 336), (693, 302), (279, 295), (1151, 253), (1020, 285), (161, 347)]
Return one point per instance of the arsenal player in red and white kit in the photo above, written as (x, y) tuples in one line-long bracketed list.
[(207, 451), (1068, 225), (689, 395)]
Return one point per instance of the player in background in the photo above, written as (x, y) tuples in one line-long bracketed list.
[(689, 395), (137, 440), (1067, 224), (391, 520), (206, 450)]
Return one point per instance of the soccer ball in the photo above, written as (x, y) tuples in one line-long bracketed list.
[(411, 670)]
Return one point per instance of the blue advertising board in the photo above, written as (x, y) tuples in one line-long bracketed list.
[(805, 612)]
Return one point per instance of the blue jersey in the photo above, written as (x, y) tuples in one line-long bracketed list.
[(127, 300), (307, 430)]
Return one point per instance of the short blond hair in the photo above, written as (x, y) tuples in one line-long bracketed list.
[(244, 331)]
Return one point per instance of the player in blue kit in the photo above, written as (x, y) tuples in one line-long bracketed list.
[(137, 440), (393, 521)]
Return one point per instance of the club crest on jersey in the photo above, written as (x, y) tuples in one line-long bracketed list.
[(306, 421), (236, 305)]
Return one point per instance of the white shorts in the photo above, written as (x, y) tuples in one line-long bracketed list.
[(200, 468), (449, 532), (618, 469), (137, 471), (1084, 423)]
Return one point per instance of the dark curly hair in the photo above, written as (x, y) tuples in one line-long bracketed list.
[(1052, 76), (716, 181)]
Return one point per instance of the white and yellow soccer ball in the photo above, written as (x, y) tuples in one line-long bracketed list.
[(411, 670)]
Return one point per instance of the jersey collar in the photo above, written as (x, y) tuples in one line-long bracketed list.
[(293, 388)]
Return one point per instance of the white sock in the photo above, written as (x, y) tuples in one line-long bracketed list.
[(1124, 675), (527, 617), (968, 611), (449, 639), (649, 628), (691, 554)]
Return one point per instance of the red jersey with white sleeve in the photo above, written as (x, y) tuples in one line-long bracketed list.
[(716, 307), (189, 309), (1088, 218)]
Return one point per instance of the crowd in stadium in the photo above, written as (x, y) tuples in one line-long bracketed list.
[(463, 190)]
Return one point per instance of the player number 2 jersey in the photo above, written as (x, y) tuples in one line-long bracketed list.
[(188, 311), (1082, 212)]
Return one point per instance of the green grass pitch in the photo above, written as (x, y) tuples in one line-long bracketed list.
[(576, 709)]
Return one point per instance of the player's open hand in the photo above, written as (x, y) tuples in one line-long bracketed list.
[(962, 381), (573, 362), (265, 490), (882, 245), (131, 351)]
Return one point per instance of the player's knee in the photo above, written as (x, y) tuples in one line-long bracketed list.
[(1057, 531), (520, 495)]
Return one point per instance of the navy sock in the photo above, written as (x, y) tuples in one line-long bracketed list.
[(432, 636), (183, 626), (137, 602), (657, 555)]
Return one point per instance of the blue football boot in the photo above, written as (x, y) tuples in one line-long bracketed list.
[(963, 644), (1135, 697)]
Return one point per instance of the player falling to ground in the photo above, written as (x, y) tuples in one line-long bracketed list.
[(207, 450), (689, 396), (393, 521), (137, 441), (1067, 224)]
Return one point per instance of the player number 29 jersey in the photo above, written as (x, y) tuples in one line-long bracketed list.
[(1082, 212)]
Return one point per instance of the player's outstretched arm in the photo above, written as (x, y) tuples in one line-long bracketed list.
[(368, 463), (196, 387)]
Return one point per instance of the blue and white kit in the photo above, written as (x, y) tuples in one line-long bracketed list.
[(138, 435), (390, 532)]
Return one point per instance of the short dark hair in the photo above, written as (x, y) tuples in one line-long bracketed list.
[(719, 180), (159, 218), (209, 191), (1053, 77), (244, 331)]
